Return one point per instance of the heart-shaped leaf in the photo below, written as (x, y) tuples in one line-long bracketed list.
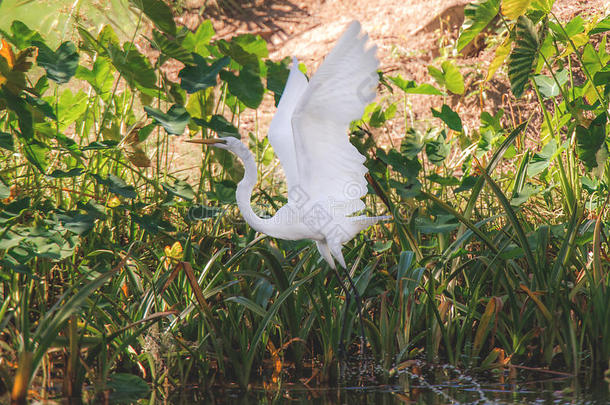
[(60, 64), (174, 121), (201, 75), (548, 86), (247, 87), (514, 8), (159, 13), (410, 87), (590, 141), (449, 76), (523, 56), (449, 117), (477, 16), (220, 125), (181, 189)]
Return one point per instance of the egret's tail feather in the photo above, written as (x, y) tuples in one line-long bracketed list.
[(364, 222), (325, 253)]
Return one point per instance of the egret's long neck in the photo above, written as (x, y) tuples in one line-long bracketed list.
[(245, 187)]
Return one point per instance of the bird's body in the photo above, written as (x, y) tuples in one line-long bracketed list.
[(324, 171)]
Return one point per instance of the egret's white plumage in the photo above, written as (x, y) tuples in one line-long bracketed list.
[(324, 171)]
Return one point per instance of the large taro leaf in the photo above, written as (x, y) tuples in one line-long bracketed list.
[(277, 76), (174, 121), (514, 8), (171, 47), (220, 125), (477, 16), (591, 142), (22, 36), (523, 56), (180, 188), (247, 87), (159, 13), (201, 75), (197, 41), (60, 64), (132, 65), (116, 185)]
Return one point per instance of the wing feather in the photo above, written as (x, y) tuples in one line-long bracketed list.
[(280, 130), (329, 167)]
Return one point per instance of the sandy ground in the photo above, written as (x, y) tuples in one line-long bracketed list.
[(410, 35)]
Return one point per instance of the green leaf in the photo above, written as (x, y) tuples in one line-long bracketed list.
[(159, 13), (437, 150), (548, 86), (477, 17), (224, 191), (220, 125), (171, 47), (449, 117), (99, 145), (23, 36), (197, 42), (201, 75), (6, 141), (602, 26), (181, 189), (522, 196), (410, 87), (153, 223), (71, 107), (127, 388), (174, 121), (449, 76), (41, 106), (514, 8), (247, 87), (60, 65), (100, 77), (36, 152), (408, 168), (381, 115), (277, 76), (133, 66), (523, 56), (542, 159), (60, 174), (590, 141), (602, 77), (116, 185)]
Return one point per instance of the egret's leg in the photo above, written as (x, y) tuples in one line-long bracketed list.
[(348, 297), (336, 252)]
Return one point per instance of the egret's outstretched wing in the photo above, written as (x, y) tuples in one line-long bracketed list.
[(329, 166), (280, 130)]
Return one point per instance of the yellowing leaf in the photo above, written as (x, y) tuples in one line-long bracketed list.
[(7, 53), (514, 8), (541, 306), (113, 202), (174, 252), (502, 52)]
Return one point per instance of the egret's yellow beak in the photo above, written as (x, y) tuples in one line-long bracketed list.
[(210, 141)]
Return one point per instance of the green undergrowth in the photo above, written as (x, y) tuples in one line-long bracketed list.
[(122, 273)]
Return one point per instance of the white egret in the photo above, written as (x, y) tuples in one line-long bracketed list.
[(324, 171)]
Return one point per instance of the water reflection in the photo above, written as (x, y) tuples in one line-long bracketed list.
[(556, 391)]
